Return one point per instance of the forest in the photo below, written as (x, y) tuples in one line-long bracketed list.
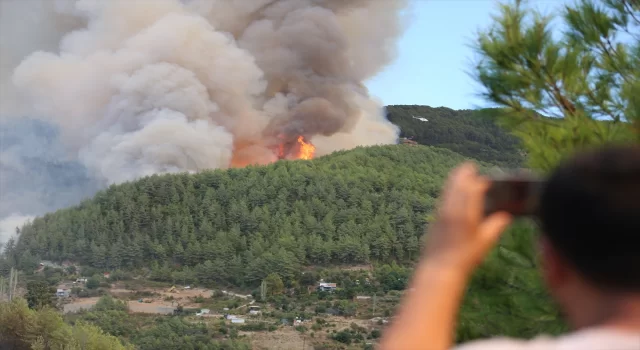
[(265, 226), (472, 133), (237, 226), (107, 327)]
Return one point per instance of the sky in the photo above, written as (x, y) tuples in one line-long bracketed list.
[(435, 57)]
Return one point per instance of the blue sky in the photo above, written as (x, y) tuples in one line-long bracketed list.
[(435, 56)]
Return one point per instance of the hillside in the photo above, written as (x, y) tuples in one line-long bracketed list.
[(472, 133), (237, 226), (37, 176)]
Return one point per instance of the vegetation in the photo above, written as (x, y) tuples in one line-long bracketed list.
[(22, 328), (245, 226), (40, 295), (26, 329), (587, 79), (288, 225), (236, 227), (472, 133)]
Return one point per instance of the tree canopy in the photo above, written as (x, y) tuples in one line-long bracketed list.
[(472, 133), (562, 93), (24, 329), (238, 226)]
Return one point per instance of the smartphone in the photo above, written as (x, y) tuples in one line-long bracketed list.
[(518, 195)]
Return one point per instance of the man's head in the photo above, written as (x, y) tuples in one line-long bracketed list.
[(590, 219)]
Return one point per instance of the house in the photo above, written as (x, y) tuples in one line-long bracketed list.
[(62, 293), (237, 320), (106, 275), (254, 310), (407, 141), (326, 287), (81, 280), (203, 312)]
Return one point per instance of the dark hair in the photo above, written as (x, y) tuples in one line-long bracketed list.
[(590, 212)]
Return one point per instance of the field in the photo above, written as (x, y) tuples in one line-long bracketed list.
[(267, 330), (151, 300)]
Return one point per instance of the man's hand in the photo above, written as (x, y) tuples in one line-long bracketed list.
[(459, 240), (462, 236)]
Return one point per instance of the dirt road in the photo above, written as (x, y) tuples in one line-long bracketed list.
[(134, 306), (158, 305)]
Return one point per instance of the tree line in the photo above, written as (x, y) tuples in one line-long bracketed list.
[(240, 225)]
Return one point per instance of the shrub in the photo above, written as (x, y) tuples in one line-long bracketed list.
[(343, 337), (254, 327), (375, 334), (92, 283)]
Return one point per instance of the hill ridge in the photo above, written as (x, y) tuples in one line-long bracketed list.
[(242, 224)]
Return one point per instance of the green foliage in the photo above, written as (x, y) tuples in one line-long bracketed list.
[(393, 277), (107, 303), (344, 337), (588, 79), (274, 284), (242, 226), (175, 334), (506, 295), (40, 295), (254, 327), (472, 133), (93, 283), (236, 227), (22, 328)]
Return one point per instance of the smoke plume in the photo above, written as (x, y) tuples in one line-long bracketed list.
[(140, 87)]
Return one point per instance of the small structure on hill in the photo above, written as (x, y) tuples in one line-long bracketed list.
[(326, 287), (408, 141), (254, 310), (203, 312), (62, 293)]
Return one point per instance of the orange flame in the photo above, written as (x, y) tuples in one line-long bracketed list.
[(281, 151), (307, 150)]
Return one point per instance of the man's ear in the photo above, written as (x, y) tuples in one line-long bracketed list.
[(554, 270)]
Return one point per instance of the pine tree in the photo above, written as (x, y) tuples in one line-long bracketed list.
[(558, 95), (588, 79)]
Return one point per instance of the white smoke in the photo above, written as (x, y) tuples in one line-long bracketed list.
[(140, 87)]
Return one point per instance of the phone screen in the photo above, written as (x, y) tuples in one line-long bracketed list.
[(517, 196)]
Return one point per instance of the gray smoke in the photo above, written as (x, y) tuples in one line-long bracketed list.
[(140, 87), (36, 175)]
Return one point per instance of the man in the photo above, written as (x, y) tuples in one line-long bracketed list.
[(590, 252)]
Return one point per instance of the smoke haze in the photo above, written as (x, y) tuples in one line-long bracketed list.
[(141, 87)]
